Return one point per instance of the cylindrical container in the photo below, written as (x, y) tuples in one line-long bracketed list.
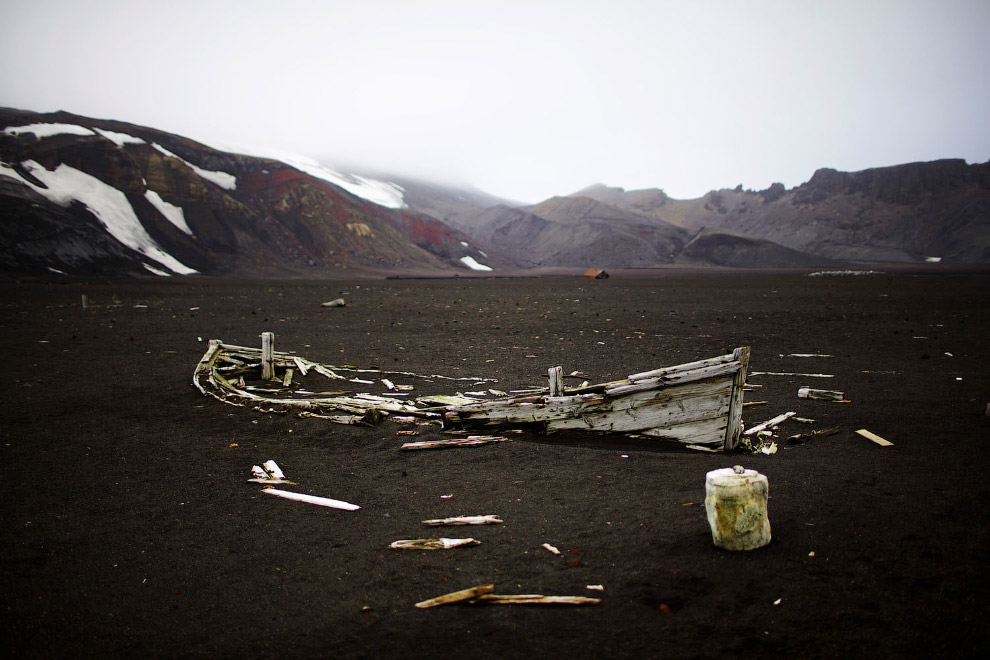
[(736, 502)]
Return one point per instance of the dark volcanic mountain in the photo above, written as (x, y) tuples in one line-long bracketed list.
[(85, 196), (905, 213), (88, 196)]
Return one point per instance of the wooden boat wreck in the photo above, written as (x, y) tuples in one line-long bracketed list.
[(697, 403)]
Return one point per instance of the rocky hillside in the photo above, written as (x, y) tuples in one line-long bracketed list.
[(905, 213), (88, 196)]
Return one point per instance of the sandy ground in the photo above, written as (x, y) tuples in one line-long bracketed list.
[(130, 530)]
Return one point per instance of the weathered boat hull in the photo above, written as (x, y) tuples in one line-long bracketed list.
[(695, 403)]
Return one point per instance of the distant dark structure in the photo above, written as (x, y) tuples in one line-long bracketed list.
[(595, 274)]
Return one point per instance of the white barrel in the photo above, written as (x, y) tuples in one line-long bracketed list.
[(736, 502)]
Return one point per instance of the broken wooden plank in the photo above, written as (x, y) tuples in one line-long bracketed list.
[(875, 438), (311, 499), (769, 423), (552, 549), (489, 519), (457, 596), (470, 441), (433, 544), (824, 395)]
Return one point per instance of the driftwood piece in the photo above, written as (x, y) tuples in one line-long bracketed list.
[(433, 544), (875, 438), (789, 373), (311, 499), (769, 423), (464, 520), (336, 302), (470, 441), (824, 395), (552, 549), (457, 596)]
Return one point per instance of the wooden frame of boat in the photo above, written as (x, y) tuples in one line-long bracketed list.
[(698, 403)]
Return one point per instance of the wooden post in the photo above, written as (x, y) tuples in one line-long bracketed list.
[(267, 351), (85, 301), (556, 375)]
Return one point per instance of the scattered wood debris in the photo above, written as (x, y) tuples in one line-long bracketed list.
[(311, 499), (470, 441), (432, 544), (875, 438), (464, 520), (824, 395)]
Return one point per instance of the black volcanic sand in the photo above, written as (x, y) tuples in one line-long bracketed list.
[(129, 529)]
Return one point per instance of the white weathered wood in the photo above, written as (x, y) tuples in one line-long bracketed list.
[(703, 432), (489, 519), (556, 375), (687, 366), (875, 438), (336, 302), (300, 365), (267, 350), (311, 499), (769, 423), (457, 596), (273, 469), (552, 549), (646, 416), (432, 544), (789, 373)]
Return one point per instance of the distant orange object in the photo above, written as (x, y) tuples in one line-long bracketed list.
[(595, 274)]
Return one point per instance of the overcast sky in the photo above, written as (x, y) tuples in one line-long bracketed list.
[(527, 99)]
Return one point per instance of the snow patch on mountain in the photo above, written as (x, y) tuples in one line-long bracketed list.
[(48, 130), (222, 179), (120, 139), (172, 213), (110, 206), (471, 263), (383, 193)]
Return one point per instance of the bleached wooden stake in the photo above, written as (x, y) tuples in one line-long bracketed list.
[(556, 375), (875, 438), (267, 352), (464, 520), (534, 599), (85, 301), (825, 395), (432, 544), (311, 499)]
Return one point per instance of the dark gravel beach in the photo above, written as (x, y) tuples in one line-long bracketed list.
[(130, 530)]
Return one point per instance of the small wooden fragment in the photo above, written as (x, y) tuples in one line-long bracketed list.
[(824, 395), (432, 544), (287, 379), (267, 353), (875, 438), (470, 441), (552, 549), (769, 423), (457, 596), (336, 302), (789, 373), (464, 520)]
